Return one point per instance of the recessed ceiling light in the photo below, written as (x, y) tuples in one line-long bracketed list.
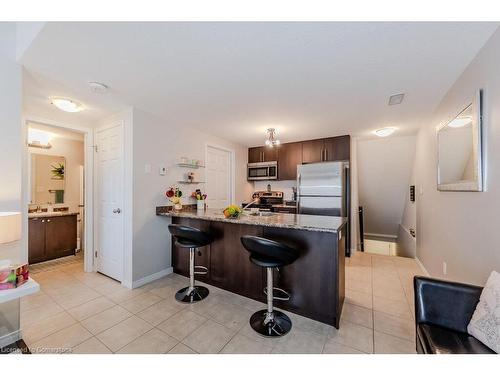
[(98, 88), (67, 105), (460, 121), (385, 132), (396, 99)]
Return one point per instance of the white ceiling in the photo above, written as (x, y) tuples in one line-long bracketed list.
[(236, 79)]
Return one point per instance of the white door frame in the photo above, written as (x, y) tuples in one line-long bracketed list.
[(88, 142), (232, 161)]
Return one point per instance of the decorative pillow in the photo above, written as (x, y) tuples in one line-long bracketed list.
[(485, 322)]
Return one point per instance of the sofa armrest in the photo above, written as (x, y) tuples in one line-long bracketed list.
[(444, 303)]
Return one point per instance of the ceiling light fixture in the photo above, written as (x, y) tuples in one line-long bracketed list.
[(460, 122), (396, 99), (98, 88), (67, 105), (271, 140), (385, 132), (38, 138)]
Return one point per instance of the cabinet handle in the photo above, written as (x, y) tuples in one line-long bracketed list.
[(43, 221), (48, 220)]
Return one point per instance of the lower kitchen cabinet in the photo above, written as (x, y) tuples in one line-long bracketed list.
[(51, 237)]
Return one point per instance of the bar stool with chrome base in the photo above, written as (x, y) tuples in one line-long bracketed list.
[(270, 254), (191, 238)]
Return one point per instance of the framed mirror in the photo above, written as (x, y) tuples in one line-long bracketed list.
[(460, 150), (47, 179)]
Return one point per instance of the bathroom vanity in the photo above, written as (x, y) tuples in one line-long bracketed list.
[(51, 235)]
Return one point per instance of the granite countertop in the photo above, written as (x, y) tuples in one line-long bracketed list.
[(313, 223), (51, 214)]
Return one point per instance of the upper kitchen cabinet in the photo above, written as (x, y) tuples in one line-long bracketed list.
[(289, 156), (337, 148), (262, 154), (313, 151)]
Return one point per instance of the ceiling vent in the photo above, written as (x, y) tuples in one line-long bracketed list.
[(396, 99)]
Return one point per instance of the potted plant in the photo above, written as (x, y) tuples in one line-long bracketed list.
[(200, 199), (174, 194)]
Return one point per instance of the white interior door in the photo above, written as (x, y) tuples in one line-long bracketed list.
[(109, 198), (218, 178)]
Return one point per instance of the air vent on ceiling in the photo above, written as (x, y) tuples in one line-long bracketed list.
[(396, 99)]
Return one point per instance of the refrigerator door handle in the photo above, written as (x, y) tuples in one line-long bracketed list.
[(299, 177)]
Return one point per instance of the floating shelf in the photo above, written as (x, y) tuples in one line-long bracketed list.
[(191, 182), (187, 165)]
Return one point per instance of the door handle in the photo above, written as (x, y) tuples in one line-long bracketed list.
[(117, 211)]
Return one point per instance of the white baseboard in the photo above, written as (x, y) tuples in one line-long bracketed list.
[(10, 338), (422, 266), (150, 278)]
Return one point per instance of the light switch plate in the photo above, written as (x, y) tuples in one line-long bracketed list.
[(147, 168), (163, 171)]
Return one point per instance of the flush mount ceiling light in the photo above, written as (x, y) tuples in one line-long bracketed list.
[(460, 122), (385, 132), (271, 140), (38, 138), (66, 105), (396, 99), (98, 88)]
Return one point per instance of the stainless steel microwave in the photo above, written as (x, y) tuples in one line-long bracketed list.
[(263, 171)]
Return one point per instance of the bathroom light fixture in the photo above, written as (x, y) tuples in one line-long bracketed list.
[(385, 132), (396, 99), (460, 122), (39, 138), (67, 105), (271, 140)]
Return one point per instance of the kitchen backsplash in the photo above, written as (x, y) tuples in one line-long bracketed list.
[(284, 186)]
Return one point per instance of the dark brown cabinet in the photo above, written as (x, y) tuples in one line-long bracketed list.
[(262, 154), (289, 156), (51, 237), (337, 148), (313, 151), (36, 240)]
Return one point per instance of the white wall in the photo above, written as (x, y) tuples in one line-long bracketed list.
[(10, 154), (461, 228), (384, 169), (158, 143)]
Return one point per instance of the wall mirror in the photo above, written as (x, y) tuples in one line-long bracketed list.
[(460, 150), (47, 179)]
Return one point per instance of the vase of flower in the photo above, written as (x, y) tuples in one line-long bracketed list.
[(200, 199)]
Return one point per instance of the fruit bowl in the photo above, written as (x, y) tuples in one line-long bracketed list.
[(232, 212)]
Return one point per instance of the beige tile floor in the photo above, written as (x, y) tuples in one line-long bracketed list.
[(77, 312)]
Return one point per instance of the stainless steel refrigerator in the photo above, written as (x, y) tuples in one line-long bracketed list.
[(324, 189)]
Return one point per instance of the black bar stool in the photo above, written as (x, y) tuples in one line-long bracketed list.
[(270, 254), (191, 238)]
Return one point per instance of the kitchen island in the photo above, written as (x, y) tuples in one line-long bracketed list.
[(316, 280)]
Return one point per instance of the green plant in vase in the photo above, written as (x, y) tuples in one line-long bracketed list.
[(57, 171)]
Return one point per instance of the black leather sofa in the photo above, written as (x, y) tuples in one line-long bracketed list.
[(443, 310)]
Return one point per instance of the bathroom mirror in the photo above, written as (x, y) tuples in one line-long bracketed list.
[(47, 179), (459, 150)]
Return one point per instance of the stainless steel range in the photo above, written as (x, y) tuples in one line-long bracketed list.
[(264, 200)]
